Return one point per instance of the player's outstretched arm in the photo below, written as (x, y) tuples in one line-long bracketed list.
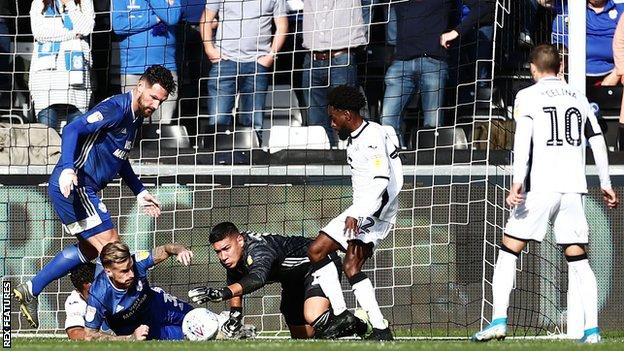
[(203, 294), (183, 255), (139, 334)]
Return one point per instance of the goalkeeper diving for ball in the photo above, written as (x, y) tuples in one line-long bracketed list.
[(94, 151), (253, 260)]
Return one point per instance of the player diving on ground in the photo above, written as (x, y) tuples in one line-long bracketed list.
[(253, 260)]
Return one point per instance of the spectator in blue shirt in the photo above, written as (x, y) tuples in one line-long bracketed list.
[(602, 18), (147, 29)]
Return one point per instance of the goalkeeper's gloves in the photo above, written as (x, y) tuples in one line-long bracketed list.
[(148, 203), (231, 329), (204, 294), (68, 180)]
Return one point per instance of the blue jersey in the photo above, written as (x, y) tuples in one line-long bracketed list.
[(147, 32), (97, 144), (600, 31), (125, 310)]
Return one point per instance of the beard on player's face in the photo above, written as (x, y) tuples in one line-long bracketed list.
[(144, 109), (121, 274), (339, 122), (343, 133)]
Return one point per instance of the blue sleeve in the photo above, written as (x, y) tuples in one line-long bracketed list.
[(143, 260), (134, 20), (94, 316), (127, 174), (103, 116), (169, 14)]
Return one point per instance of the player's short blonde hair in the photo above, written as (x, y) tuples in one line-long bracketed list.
[(546, 58), (115, 252)]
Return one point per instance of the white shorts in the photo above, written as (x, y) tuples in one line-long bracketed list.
[(372, 230), (566, 212)]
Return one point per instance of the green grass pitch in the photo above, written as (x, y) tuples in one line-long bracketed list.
[(609, 343)]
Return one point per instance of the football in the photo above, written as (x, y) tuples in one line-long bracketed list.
[(200, 324)]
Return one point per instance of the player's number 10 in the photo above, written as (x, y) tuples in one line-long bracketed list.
[(554, 132)]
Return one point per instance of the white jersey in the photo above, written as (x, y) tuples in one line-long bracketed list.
[(553, 123), (75, 309), (376, 173)]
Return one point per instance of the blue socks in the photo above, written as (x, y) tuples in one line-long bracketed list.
[(60, 265)]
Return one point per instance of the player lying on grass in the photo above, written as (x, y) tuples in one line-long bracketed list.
[(94, 151), (121, 295), (76, 303), (253, 260), (377, 178), (554, 122)]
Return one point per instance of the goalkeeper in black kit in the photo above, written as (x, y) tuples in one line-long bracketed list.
[(253, 260)]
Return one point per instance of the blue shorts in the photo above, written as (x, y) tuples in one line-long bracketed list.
[(168, 314), (83, 213)]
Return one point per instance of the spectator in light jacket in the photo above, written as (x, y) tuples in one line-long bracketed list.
[(59, 81)]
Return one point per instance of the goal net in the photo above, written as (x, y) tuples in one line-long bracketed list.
[(432, 274)]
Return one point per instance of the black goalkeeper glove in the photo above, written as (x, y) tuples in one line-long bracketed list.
[(232, 327), (204, 294)]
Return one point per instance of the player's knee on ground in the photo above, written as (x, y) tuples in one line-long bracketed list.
[(301, 331), (574, 250)]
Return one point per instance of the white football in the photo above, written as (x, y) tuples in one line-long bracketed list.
[(200, 324)]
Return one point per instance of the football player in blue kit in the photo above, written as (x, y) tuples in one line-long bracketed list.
[(94, 151), (121, 296)]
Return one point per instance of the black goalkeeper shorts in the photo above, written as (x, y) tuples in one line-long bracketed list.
[(297, 287)]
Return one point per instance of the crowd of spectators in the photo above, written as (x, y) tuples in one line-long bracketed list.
[(429, 48)]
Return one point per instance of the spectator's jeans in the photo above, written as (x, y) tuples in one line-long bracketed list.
[(165, 113), (225, 80), (50, 115), (317, 82), (425, 76)]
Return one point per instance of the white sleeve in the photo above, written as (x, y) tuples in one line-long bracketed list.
[(82, 16), (522, 140), (593, 133), (74, 312)]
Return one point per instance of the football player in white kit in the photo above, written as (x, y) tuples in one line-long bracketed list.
[(553, 123), (377, 178)]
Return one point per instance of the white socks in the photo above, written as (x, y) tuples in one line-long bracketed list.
[(365, 295), (502, 283), (327, 278), (582, 278)]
